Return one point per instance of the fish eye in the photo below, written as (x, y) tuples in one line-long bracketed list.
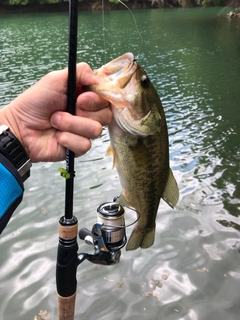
[(145, 82)]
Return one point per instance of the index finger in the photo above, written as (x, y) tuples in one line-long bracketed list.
[(85, 75), (91, 101)]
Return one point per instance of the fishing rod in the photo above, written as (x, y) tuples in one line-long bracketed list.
[(107, 235), (68, 224)]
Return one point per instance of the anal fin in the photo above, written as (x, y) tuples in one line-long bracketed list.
[(122, 200), (171, 192)]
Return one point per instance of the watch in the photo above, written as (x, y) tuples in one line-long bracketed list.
[(13, 150)]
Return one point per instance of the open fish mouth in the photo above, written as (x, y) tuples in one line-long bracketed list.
[(120, 82), (123, 66)]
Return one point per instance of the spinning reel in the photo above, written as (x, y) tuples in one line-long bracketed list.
[(107, 237)]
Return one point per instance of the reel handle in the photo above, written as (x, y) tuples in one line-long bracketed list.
[(84, 232)]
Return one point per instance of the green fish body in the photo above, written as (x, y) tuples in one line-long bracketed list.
[(139, 144)]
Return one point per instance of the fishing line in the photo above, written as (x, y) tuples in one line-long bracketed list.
[(225, 7), (136, 26), (135, 23), (104, 38), (128, 225)]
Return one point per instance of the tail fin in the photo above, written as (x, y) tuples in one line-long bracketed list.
[(141, 238)]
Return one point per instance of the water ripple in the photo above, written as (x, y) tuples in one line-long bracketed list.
[(194, 263)]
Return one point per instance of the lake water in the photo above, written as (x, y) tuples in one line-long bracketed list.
[(192, 272)]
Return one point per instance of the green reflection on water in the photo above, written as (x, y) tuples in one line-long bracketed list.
[(192, 57)]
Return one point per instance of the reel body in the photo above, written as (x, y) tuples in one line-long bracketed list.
[(108, 235)]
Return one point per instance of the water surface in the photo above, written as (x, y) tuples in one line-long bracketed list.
[(192, 270)]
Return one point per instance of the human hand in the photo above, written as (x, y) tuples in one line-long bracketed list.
[(38, 118)]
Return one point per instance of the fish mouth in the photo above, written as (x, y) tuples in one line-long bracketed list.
[(114, 78), (119, 68), (118, 83)]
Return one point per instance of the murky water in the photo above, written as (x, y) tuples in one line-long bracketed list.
[(192, 271)]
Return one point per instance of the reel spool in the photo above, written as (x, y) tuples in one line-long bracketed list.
[(110, 215)]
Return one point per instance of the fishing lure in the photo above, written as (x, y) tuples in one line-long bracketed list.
[(64, 173)]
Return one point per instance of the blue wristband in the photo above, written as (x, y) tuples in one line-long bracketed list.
[(11, 190)]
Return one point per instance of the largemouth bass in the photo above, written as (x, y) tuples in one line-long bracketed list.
[(139, 143)]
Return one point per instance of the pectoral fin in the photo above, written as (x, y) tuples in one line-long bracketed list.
[(171, 192), (111, 152)]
